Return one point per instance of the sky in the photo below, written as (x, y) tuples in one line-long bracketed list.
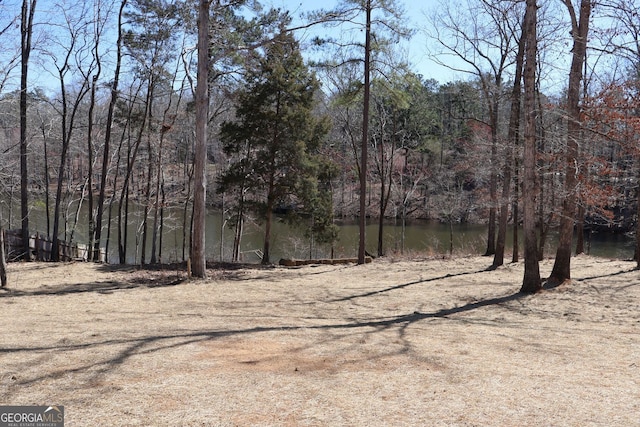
[(416, 11), (416, 47)]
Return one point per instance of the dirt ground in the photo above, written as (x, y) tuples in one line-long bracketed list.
[(392, 343)]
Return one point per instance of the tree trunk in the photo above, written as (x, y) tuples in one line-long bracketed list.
[(124, 195), (161, 226), (542, 201), (92, 103), (156, 205), (47, 198), (582, 209), (580, 230), (123, 214), (149, 175), (91, 214), (493, 191), (512, 141), (107, 136), (198, 256), (637, 251), (55, 245), (3, 261), (237, 236), (580, 29), (185, 212), (125, 133), (26, 31), (267, 234), (531, 282), (494, 105), (155, 237), (382, 209), (147, 195), (365, 138), (270, 198), (112, 199), (515, 209), (450, 237), (108, 239), (166, 125)]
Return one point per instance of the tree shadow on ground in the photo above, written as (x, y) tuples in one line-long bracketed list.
[(154, 343), (602, 276), (134, 276), (77, 288), (549, 285), (132, 281), (404, 285)]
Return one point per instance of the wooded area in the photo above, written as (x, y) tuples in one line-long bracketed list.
[(225, 105)]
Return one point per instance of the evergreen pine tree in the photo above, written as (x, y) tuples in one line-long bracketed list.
[(273, 142)]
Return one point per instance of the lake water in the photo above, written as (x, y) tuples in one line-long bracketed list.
[(421, 238)]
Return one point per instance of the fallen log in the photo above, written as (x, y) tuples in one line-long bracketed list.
[(298, 262)]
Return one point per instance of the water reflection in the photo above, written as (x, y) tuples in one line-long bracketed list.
[(420, 238)]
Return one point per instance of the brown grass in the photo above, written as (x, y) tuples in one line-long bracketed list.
[(404, 343)]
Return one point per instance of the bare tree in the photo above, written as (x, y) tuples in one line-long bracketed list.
[(68, 59), (483, 37), (365, 136), (106, 150), (531, 282), (26, 31), (169, 116), (100, 19), (513, 136), (46, 128), (133, 148), (579, 32)]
